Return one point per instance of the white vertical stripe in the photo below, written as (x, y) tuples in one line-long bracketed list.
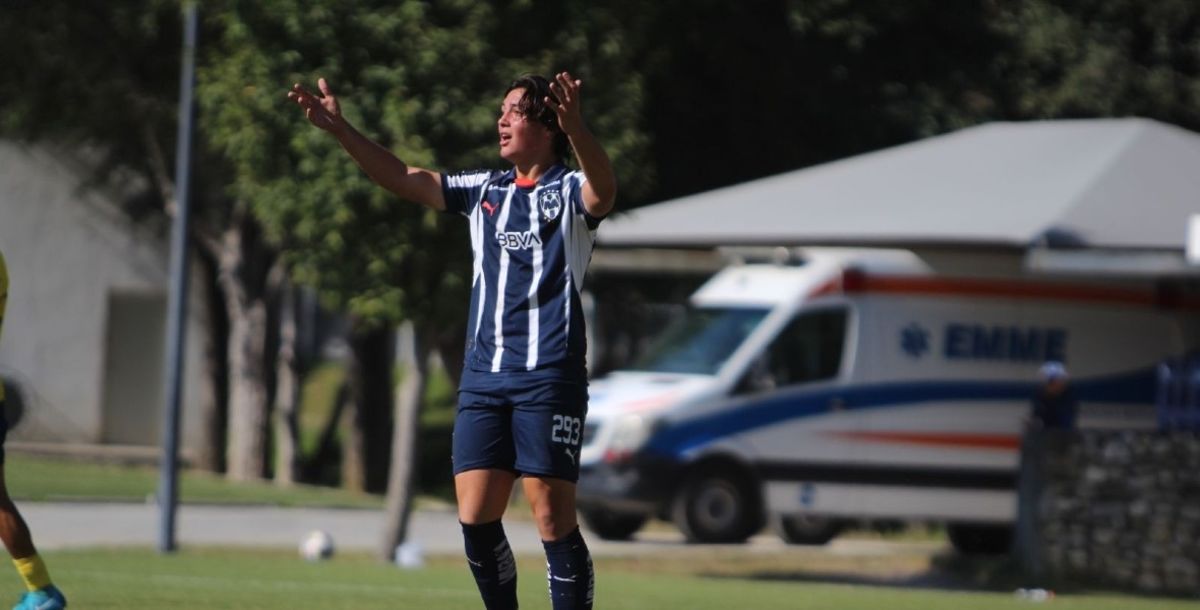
[(578, 241), (568, 213), (477, 245), (534, 322), (502, 281), (583, 239)]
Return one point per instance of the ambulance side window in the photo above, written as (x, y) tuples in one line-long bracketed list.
[(809, 349)]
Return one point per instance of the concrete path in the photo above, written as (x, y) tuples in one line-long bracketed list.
[(58, 525)]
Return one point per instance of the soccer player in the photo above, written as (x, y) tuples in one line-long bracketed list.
[(41, 594), (523, 395)]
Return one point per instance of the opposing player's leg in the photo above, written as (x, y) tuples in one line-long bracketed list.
[(483, 481), (13, 530), (41, 594)]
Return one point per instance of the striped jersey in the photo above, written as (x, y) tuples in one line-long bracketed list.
[(532, 243)]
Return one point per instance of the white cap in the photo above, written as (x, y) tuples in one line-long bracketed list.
[(1053, 370)]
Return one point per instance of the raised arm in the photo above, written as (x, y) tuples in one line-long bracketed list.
[(386, 169), (600, 190)]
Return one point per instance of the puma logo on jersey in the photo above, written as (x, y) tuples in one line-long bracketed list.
[(491, 208), (513, 240)]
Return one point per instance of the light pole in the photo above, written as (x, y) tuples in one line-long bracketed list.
[(168, 494)]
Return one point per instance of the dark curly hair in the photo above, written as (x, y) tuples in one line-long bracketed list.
[(533, 105)]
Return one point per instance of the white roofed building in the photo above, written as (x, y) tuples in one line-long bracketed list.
[(1095, 196)]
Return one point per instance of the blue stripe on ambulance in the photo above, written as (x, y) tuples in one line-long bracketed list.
[(676, 439)]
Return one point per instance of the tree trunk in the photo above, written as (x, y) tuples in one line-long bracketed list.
[(369, 372), (211, 454), (287, 391), (245, 265), (410, 395)]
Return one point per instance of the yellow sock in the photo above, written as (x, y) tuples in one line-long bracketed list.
[(33, 571)]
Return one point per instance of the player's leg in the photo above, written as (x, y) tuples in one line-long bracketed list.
[(483, 494), (13, 530), (568, 561), (41, 593), (548, 432), (483, 480), (552, 502)]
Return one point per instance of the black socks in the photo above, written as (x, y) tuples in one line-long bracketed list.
[(492, 564), (569, 570)]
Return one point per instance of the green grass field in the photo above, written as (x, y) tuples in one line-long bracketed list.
[(688, 578), (32, 478), (200, 579)]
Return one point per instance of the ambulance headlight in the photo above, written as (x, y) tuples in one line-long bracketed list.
[(629, 434)]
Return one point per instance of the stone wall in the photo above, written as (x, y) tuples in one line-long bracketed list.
[(1122, 509)]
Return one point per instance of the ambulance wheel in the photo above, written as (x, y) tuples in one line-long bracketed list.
[(719, 506), (613, 526), (974, 539), (806, 529)]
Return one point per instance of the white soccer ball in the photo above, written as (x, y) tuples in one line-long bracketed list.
[(317, 545)]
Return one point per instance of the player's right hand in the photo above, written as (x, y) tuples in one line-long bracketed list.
[(322, 111)]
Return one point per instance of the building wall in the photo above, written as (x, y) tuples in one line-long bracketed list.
[(1123, 509), (69, 252)]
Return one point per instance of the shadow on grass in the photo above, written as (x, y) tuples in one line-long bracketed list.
[(946, 571)]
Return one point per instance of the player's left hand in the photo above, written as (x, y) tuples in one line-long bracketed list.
[(566, 89)]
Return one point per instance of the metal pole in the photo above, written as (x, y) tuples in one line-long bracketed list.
[(168, 495)]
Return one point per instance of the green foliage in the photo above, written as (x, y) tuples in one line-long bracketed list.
[(737, 91), (102, 81), (1097, 58), (685, 94), (423, 79)]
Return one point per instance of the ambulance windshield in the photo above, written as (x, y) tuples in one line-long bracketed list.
[(701, 340)]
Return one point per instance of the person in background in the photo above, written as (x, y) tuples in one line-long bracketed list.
[(41, 594), (1052, 413), (1054, 405)]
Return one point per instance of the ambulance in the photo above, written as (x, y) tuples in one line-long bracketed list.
[(861, 385)]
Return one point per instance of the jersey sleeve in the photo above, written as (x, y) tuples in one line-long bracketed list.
[(462, 191), (576, 180)]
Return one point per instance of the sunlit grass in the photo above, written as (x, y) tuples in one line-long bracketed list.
[(201, 579)]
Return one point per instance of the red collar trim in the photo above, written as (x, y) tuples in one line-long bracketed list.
[(525, 183)]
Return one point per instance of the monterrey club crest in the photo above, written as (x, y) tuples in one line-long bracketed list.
[(550, 203)]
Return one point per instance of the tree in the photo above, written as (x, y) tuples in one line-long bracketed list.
[(685, 95), (423, 78), (737, 91), (1099, 58), (101, 82)]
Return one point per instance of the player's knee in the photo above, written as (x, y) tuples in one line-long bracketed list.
[(474, 513), (553, 524)]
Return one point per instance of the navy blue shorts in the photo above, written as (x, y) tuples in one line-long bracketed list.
[(528, 422)]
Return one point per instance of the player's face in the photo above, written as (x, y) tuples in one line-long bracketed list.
[(522, 139)]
